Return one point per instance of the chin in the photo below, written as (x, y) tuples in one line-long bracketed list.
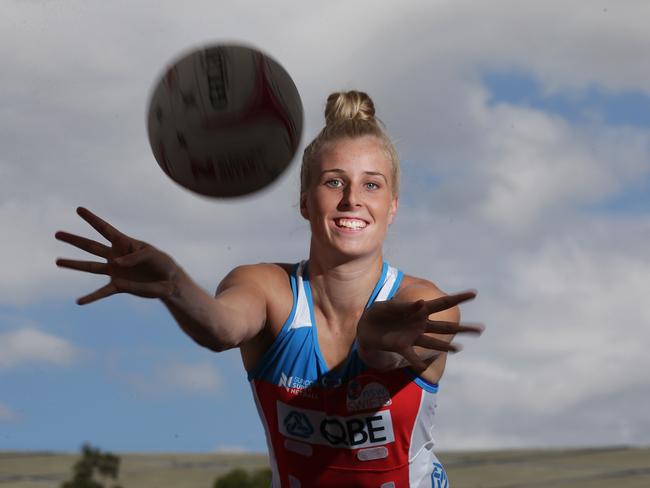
[(354, 252), (346, 247)]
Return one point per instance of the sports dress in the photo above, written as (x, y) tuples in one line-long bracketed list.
[(350, 427)]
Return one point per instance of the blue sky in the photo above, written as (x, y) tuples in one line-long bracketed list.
[(94, 399), (615, 108), (525, 146), (593, 102)]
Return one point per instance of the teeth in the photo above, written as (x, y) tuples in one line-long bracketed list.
[(351, 223)]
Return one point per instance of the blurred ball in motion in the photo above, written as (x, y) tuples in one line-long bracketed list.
[(224, 120)]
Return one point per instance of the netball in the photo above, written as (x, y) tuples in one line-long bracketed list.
[(224, 120)]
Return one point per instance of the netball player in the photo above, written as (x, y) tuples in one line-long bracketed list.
[(343, 351)]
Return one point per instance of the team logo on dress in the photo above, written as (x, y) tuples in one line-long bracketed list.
[(371, 396), (298, 424), (297, 386), (439, 477)]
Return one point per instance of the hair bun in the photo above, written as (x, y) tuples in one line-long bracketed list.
[(352, 105)]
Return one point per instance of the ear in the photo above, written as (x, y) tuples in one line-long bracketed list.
[(394, 205), (303, 206)]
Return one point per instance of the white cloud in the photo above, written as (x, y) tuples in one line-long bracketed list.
[(29, 345), (511, 165), (565, 337), (536, 164)]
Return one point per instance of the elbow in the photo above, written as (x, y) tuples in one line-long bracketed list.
[(214, 345)]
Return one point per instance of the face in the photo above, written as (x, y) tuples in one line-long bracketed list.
[(350, 201)]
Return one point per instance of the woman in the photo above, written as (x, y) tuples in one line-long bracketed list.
[(343, 352)]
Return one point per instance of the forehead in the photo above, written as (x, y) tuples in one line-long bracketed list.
[(356, 155)]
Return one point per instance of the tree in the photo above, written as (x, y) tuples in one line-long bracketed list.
[(93, 461)]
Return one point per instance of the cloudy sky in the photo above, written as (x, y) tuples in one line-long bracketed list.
[(524, 130)]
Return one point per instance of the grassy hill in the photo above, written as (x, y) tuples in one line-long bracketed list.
[(619, 467)]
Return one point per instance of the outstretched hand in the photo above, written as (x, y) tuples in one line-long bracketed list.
[(398, 327), (133, 266)]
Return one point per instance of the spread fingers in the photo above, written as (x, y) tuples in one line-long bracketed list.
[(155, 289), (436, 344), (87, 266), (103, 292), (414, 360), (442, 327), (88, 245), (100, 225), (448, 301)]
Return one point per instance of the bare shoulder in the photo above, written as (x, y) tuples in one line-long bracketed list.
[(413, 288), (267, 282), (271, 281), (265, 275)]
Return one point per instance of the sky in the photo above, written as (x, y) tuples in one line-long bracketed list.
[(524, 134)]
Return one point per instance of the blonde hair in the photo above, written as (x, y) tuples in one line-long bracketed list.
[(348, 114)]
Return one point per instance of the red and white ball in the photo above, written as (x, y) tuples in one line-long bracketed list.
[(225, 120)]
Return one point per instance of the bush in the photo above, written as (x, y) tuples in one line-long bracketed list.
[(240, 478)]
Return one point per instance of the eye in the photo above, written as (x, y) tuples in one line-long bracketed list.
[(371, 185), (334, 183)]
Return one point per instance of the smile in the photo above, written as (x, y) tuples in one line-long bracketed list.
[(350, 223)]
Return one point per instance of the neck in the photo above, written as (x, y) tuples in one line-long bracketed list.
[(341, 288)]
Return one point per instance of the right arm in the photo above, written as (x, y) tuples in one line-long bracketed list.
[(236, 315)]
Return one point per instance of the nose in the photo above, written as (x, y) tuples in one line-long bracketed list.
[(350, 198)]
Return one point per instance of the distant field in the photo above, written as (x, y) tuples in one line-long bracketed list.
[(578, 468), (618, 467)]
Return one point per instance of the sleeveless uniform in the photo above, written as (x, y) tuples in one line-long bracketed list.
[(352, 427)]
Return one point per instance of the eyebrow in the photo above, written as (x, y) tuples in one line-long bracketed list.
[(341, 171)]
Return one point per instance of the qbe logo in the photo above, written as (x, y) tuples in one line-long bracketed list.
[(353, 432), (298, 424)]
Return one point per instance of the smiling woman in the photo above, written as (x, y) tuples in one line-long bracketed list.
[(343, 351), (350, 201)]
